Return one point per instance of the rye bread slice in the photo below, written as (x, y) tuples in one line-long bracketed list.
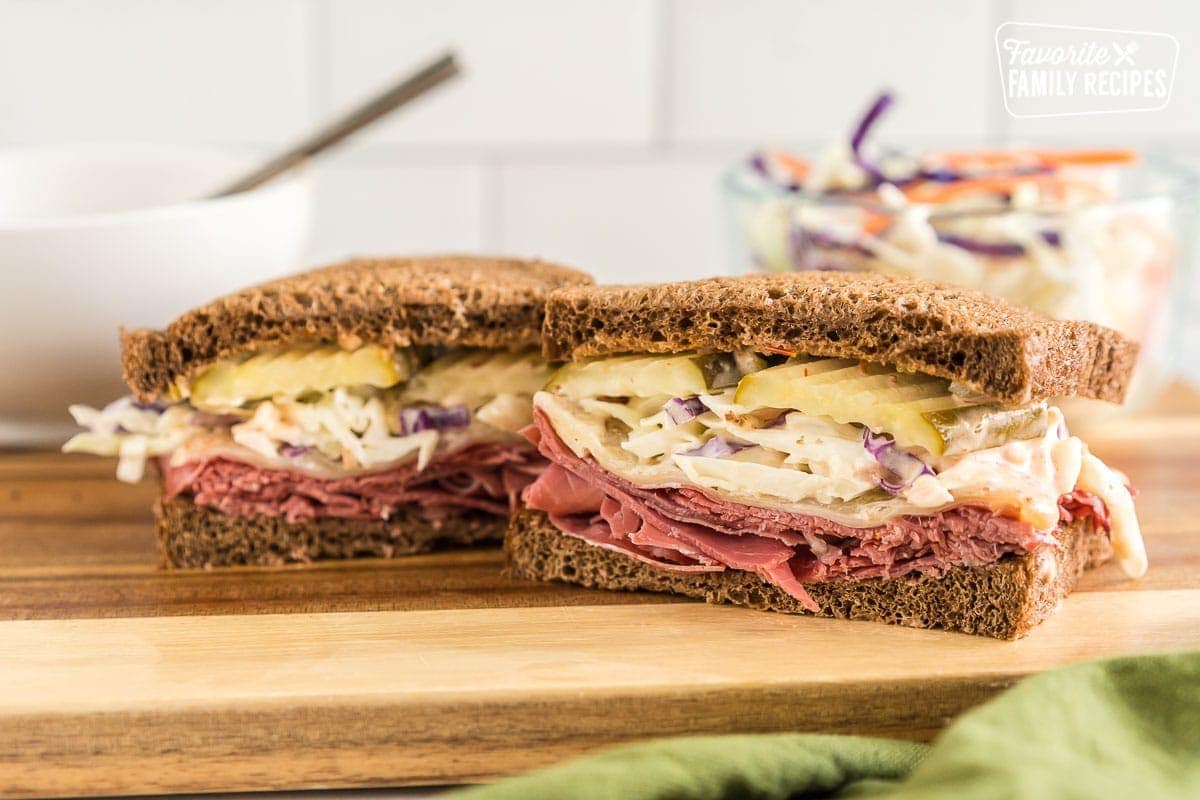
[(458, 301), (191, 536), (1004, 600), (1005, 352)]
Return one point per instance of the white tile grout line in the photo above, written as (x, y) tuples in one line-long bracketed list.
[(320, 59), (391, 154), (662, 73)]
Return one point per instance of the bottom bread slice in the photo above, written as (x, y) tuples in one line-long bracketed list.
[(1004, 600), (197, 536)]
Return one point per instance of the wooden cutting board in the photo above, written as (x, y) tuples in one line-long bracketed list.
[(116, 678)]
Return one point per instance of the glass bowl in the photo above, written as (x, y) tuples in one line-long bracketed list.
[(1122, 260)]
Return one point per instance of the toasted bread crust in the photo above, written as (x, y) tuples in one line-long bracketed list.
[(1005, 352), (460, 301), (193, 536), (1004, 600)]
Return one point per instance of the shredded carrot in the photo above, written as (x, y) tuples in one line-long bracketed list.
[(778, 351), (984, 163), (1050, 186), (796, 167), (1087, 157), (982, 160), (875, 222), (1018, 158)]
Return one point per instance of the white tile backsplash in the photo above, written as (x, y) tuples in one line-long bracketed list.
[(535, 71), (587, 131), (178, 71), (623, 222), (795, 71), (382, 209)]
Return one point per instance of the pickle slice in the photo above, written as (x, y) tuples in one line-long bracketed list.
[(970, 428), (723, 370), (918, 411), (473, 377), (819, 383), (631, 376), (230, 384), (850, 392)]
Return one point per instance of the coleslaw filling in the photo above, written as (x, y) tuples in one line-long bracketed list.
[(460, 398)]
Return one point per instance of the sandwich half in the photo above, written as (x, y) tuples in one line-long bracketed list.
[(842, 444), (365, 408)]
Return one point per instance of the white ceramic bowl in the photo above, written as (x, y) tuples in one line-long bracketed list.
[(94, 238)]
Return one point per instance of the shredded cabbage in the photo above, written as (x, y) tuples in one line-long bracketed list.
[(805, 464), (352, 428), (337, 431), (803, 458), (130, 433)]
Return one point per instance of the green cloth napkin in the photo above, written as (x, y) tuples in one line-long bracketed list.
[(1127, 728)]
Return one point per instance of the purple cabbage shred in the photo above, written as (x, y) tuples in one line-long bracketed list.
[(994, 249), (1052, 238), (758, 163), (901, 468), (877, 110), (717, 447), (424, 418), (682, 409)]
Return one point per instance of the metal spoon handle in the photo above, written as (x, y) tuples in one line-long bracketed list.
[(406, 90)]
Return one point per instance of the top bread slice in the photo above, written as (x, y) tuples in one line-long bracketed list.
[(459, 301), (1005, 352)]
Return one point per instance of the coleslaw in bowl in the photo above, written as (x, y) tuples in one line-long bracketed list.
[(1098, 235)]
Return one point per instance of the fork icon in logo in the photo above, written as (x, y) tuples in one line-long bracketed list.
[(1125, 54)]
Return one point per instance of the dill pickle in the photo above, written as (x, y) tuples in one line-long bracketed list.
[(853, 392), (968, 428), (473, 377), (630, 376), (229, 384), (683, 375), (722, 370)]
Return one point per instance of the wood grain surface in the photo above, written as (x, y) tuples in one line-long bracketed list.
[(117, 678)]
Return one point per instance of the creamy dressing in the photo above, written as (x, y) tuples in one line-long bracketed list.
[(1106, 483), (1026, 476), (790, 485)]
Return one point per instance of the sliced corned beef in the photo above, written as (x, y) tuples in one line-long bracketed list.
[(486, 477), (685, 529)]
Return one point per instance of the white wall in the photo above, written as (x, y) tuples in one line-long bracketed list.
[(590, 132)]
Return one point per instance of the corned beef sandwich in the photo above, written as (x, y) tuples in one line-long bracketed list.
[(366, 408), (849, 445)]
